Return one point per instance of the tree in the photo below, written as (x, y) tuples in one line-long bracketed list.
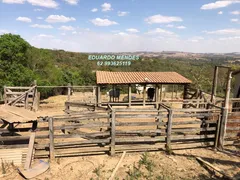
[(13, 48)]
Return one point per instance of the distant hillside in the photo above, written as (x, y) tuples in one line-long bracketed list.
[(21, 64)]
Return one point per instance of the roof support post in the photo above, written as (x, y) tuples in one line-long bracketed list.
[(144, 95), (161, 93), (129, 95), (98, 95), (157, 94)]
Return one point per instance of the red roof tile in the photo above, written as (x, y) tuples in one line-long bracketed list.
[(106, 77)]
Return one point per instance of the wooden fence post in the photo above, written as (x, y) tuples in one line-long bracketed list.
[(69, 91), (5, 95), (113, 132), (222, 128), (169, 130), (225, 111), (217, 132), (26, 101), (36, 97), (51, 138)]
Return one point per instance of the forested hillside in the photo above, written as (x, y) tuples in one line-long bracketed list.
[(21, 63)]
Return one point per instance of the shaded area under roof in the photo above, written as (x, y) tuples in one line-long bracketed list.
[(106, 77)]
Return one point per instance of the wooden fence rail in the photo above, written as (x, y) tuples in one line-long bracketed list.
[(118, 130), (115, 131)]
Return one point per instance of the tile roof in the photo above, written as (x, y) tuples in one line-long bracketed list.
[(106, 77)]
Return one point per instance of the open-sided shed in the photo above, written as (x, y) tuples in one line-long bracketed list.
[(157, 79)]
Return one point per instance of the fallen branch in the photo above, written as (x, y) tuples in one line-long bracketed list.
[(214, 168), (116, 168)]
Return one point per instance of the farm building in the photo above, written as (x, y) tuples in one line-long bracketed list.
[(130, 79)]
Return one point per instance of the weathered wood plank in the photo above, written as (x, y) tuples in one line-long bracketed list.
[(30, 151), (51, 138), (169, 129), (139, 123), (113, 132)]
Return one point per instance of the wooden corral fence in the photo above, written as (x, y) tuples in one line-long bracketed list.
[(121, 129), (26, 97), (29, 97), (200, 98)]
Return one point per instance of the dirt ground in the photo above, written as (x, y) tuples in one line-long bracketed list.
[(142, 165), (151, 165)]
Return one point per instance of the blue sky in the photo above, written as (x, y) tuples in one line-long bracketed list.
[(125, 25)]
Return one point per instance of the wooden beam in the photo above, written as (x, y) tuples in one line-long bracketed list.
[(30, 151), (169, 129), (113, 133), (157, 94), (99, 95), (26, 101), (5, 95), (69, 91), (51, 138), (161, 93), (225, 111), (129, 95), (144, 95)]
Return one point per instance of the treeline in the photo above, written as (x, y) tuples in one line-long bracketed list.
[(21, 64)]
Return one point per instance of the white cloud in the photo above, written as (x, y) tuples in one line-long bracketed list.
[(132, 30), (39, 17), (3, 31), (44, 3), (67, 28), (103, 22), (224, 32), (42, 26), (234, 20), (160, 31), (122, 13), (59, 19), (72, 2), (13, 1), (38, 9), (109, 42), (219, 4), (162, 19), (220, 12), (74, 32), (94, 10), (235, 12), (121, 34), (106, 7), (45, 36), (229, 38), (196, 39), (170, 25), (181, 27), (24, 19)]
